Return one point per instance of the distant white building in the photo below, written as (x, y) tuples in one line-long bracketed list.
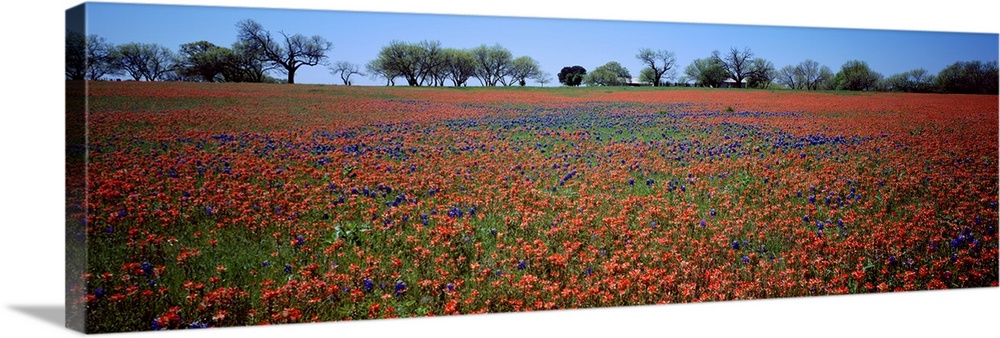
[(730, 83), (635, 82)]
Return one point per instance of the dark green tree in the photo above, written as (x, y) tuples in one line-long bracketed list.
[(857, 76), (762, 74), (968, 77), (572, 76), (707, 72), (204, 60)]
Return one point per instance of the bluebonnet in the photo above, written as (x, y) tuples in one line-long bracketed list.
[(746, 259), (369, 285), (521, 265), (147, 269), (288, 268), (400, 288), (198, 325), (736, 245)]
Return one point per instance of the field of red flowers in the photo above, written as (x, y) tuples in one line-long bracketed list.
[(215, 205)]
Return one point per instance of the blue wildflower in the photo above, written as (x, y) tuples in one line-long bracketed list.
[(746, 259), (736, 245), (369, 285), (288, 268), (400, 288), (198, 325), (522, 265)]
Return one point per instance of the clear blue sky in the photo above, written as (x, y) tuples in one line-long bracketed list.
[(554, 43)]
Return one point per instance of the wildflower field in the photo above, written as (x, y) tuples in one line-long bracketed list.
[(213, 205)]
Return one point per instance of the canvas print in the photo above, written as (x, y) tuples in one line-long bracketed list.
[(272, 166)]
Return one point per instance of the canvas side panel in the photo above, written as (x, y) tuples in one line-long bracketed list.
[(76, 168)]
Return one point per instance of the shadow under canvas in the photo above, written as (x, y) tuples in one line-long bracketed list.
[(53, 314)]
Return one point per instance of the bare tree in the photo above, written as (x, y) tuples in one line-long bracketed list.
[(147, 61), (651, 58), (345, 69), (737, 63), (288, 52), (542, 78), (791, 77), (88, 57), (76, 55)]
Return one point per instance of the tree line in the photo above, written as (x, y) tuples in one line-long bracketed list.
[(258, 52), (255, 53)]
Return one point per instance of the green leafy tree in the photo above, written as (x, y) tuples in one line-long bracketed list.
[(968, 77), (204, 60), (523, 68), (762, 74), (572, 76), (648, 75), (707, 72), (422, 63), (857, 76), (609, 74), (246, 63), (459, 65), (492, 64), (912, 81)]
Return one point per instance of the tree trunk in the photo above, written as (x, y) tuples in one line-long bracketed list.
[(291, 75)]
